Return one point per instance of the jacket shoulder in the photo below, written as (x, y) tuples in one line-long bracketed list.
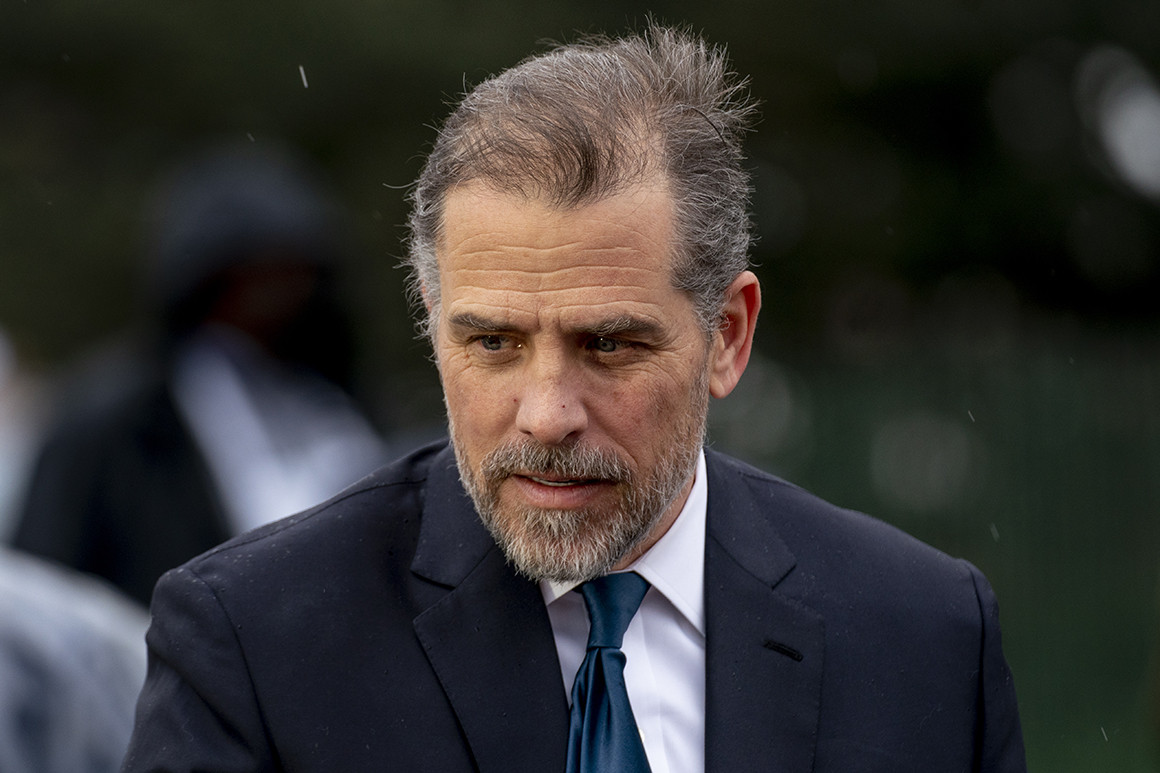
[(377, 515), (798, 513), (837, 552)]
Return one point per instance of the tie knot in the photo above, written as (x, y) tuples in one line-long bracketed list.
[(612, 600)]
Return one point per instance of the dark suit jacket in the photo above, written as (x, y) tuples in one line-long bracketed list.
[(120, 488), (384, 631)]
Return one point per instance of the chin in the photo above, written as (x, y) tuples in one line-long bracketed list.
[(566, 546)]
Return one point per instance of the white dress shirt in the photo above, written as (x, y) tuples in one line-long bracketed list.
[(664, 645)]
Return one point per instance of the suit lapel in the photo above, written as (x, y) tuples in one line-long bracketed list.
[(764, 649), (488, 639), (490, 643)]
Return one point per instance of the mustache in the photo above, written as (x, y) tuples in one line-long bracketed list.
[(574, 462)]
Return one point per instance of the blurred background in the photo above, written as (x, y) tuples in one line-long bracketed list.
[(958, 206)]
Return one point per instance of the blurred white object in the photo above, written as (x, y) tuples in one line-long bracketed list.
[(1120, 100), (72, 660)]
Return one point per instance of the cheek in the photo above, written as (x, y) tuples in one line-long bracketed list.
[(481, 409), (670, 389), (665, 406), (635, 412)]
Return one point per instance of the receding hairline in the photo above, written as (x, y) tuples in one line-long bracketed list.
[(565, 127), (483, 188)]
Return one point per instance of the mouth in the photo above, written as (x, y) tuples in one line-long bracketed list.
[(558, 493), (558, 483)]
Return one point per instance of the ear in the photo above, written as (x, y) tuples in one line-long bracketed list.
[(733, 341)]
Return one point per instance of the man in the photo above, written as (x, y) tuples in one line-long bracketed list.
[(233, 410), (579, 243)]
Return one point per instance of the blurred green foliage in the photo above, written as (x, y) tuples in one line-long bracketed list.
[(960, 331)]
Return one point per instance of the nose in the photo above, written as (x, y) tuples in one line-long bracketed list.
[(551, 405)]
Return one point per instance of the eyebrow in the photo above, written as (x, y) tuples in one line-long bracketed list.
[(469, 321), (625, 325), (618, 326)]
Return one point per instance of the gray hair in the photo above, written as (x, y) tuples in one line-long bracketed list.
[(585, 121)]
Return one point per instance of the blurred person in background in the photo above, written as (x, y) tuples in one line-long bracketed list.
[(71, 660), (236, 410), (71, 664)]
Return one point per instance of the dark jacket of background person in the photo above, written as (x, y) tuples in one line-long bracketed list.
[(243, 249), (71, 664), (385, 631)]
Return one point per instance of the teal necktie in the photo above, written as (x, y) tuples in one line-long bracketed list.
[(603, 737)]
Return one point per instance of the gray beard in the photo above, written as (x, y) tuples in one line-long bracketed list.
[(571, 546)]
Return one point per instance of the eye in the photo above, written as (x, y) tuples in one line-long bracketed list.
[(605, 345), (491, 343)]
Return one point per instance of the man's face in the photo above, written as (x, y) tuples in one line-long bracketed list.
[(575, 375)]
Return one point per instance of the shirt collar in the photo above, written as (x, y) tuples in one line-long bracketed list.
[(675, 565)]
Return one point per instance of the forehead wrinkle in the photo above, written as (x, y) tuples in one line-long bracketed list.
[(495, 246), (532, 226), (522, 302), (602, 318), (619, 253), (549, 225), (482, 276), (536, 300)]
